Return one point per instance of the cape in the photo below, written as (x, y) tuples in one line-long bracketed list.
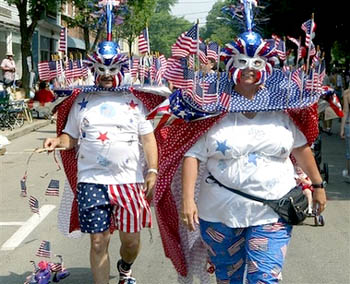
[(184, 248)]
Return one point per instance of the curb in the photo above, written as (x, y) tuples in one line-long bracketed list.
[(26, 129)]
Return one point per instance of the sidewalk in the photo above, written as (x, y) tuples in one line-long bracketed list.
[(25, 129)]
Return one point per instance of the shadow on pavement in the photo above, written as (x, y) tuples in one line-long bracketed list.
[(77, 276)]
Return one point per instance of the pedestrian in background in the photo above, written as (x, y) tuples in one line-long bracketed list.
[(8, 67), (345, 132)]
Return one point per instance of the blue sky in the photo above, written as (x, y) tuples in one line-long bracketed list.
[(193, 9)]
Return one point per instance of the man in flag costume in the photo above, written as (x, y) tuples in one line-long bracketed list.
[(110, 147), (211, 138)]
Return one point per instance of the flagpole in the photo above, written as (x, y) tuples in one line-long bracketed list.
[(218, 73), (148, 44), (309, 45)]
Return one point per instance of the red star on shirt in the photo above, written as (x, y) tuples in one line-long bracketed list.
[(103, 137), (132, 104)]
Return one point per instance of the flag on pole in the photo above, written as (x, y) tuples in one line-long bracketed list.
[(309, 28), (188, 41), (44, 249), (53, 188), (143, 41), (62, 46), (34, 204)]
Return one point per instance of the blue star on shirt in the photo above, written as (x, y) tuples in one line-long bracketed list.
[(252, 158), (83, 104), (222, 147)]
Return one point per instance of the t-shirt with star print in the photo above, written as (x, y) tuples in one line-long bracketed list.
[(251, 155), (108, 126)]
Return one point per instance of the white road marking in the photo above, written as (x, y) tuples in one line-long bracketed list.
[(27, 228), (12, 223)]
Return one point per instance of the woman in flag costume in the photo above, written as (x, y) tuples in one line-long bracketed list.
[(243, 140), (110, 161)]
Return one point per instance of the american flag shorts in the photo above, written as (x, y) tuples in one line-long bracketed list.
[(123, 204), (255, 254)]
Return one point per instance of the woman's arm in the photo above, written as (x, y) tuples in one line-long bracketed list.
[(345, 111), (305, 159), (149, 145), (189, 208)]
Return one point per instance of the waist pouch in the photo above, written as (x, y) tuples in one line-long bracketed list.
[(292, 207)]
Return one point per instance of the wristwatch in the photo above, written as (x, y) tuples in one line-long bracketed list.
[(319, 185)]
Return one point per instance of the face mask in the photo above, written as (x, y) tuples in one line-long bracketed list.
[(242, 61), (103, 70)]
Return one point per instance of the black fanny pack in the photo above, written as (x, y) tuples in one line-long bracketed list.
[(291, 207)]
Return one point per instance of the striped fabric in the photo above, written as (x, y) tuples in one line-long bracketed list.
[(132, 209)]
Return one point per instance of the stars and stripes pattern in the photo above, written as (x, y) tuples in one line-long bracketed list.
[(143, 41), (34, 204), (309, 28), (53, 188), (213, 51), (236, 246), (188, 41), (62, 45), (49, 70), (258, 244), (215, 235), (44, 249), (23, 186)]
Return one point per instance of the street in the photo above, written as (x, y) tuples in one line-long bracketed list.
[(316, 254)]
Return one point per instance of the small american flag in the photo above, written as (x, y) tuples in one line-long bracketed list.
[(212, 51), (143, 41), (53, 188), (34, 204), (225, 100), (44, 71), (56, 267), (23, 187), (44, 249), (177, 51), (203, 53), (62, 46), (188, 41), (309, 28)]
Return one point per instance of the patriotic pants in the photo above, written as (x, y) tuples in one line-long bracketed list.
[(258, 251), (124, 204)]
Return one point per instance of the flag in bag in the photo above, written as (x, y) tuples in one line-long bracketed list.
[(53, 188)]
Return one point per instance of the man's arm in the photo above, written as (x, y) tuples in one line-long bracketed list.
[(151, 154), (62, 141)]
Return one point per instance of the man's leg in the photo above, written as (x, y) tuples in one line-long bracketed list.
[(99, 257), (129, 250), (130, 247)]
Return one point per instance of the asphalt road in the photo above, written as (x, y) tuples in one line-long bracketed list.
[(316, 254)]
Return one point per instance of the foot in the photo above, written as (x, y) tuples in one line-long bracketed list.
[(125, 276)]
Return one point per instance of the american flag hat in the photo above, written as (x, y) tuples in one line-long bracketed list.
[(250, 48), (108, 60)]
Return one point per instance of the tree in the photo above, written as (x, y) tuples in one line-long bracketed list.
[(135, 20), (84, 20), (165, 5), (164, 30), (30, 12), (219, 27)]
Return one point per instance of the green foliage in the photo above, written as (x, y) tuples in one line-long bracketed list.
[(83, 18), (164, 29), (140, 11), (165, 5), (219, 27)]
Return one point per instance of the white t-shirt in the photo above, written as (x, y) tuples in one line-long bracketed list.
[(108, 126), (251, 155)]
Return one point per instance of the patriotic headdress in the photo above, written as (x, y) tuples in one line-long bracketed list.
[(249, 49), (107, 59)]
